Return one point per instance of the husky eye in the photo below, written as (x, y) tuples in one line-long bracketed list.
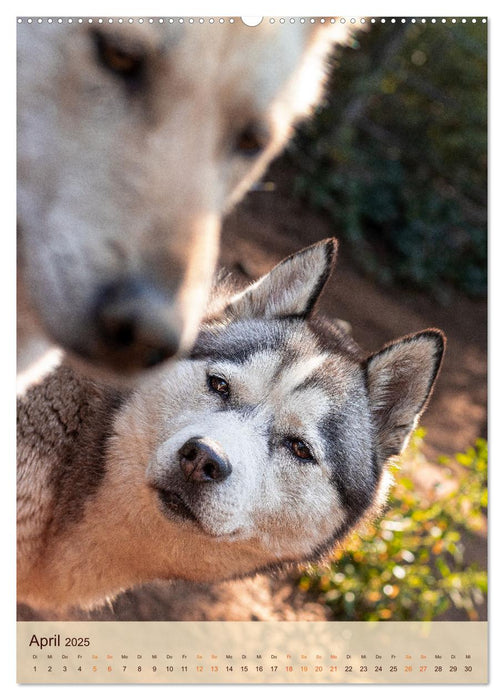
[(250, 141), (300, 449), (218, 385), (124, 62)]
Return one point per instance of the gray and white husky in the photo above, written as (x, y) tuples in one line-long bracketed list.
[(265, 446)]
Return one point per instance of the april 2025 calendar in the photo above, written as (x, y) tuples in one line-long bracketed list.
[(233, 652), (251, 413)]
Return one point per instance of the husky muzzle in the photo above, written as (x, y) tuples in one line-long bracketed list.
[(203, 460), (135, 325)]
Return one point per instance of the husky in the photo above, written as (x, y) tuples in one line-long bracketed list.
[(134, 140), (264, 447)]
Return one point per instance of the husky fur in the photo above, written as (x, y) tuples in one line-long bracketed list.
[(133, 142), (297, 428)]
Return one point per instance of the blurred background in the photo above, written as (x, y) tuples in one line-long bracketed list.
[(397, 158), (393, 165)]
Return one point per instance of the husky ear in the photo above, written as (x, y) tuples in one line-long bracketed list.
[(400, 380), (292, 288)]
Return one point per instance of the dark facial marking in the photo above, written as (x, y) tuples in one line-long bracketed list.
[(350, 453), (239, 341)]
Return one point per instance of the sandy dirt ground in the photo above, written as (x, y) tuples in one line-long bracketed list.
[(266, 227)]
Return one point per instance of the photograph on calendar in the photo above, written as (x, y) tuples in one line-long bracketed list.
[(252, 320)]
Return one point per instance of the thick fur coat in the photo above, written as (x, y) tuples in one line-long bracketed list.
[(265, 446)]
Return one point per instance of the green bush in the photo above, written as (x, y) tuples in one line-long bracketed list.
[(397, 156), (410, 565)]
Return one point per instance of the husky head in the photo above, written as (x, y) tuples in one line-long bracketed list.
[(272, 440), (134, 140)]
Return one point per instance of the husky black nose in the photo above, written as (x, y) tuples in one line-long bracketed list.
[(132, 322), (203, 460)]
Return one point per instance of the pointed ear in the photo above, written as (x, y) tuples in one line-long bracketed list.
[(400, 379), (292, 288)]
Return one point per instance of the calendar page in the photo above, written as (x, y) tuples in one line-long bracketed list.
[(252, 330)]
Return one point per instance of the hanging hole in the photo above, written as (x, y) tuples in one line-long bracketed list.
[(251, 21)]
